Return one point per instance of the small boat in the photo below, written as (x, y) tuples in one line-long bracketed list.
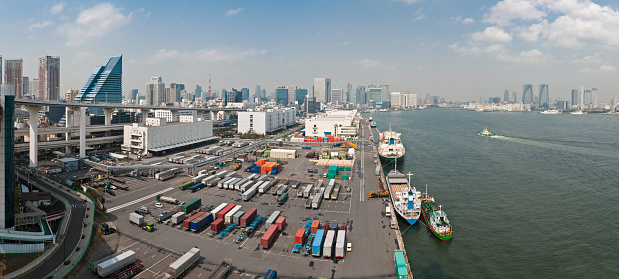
[(435, 218), (372, 124), (370, 119), (578, 112), (486, 133), (552, 111)]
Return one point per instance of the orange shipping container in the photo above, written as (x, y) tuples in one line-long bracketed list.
[(315, 226)]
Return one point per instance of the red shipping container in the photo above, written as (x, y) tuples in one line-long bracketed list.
[(217, 225), (188, 220), (315, 226), (248, 217), (298, 238), (281, 222), (269, 236), (221, 214)]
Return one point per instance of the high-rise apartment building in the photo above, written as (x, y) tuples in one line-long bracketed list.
[(337, 96), (544, 99), (574, 98), (322, 89), (582, 96), (155, 91), (25, 86), (33, 88), (527, 94), (384, 92), (13, 71), (49, 78), (594, 96), (70, 95), (396, 99), (506, 96), (175, 93), (104, 85)]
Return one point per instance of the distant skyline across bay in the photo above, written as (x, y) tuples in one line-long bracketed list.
[(459, 50)]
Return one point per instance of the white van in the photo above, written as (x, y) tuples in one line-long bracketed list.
[(388, 211)]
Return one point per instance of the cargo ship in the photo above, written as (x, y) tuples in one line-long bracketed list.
[(405, 199), (390, 147), (435, 217)]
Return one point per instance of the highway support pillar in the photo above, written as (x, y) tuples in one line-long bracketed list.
[(108, 115), (34, 125), (174, 115), (82, 132)]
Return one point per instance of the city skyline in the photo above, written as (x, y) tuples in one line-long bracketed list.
[(453, 49)]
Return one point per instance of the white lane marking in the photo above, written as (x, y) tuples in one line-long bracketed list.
[(136, 201), (129, 246)]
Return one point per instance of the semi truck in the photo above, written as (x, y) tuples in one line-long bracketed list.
[(114, 264), (184, 263), (167, 199), (221, 270)]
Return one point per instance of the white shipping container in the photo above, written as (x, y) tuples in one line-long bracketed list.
[(247, 195), (328, 245), (307, 191), (272, 218), (246, 185), (217, 209), (228, 216), (340, 244)]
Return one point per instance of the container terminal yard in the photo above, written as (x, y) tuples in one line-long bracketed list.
[(241, 221)]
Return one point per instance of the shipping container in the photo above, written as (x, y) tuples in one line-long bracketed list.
[(300, 192), (269, 236), (317, 244), (271, 274), (187, 222), (236, 218), (228, 216), (196, 187), (327, 248), (327, 194), (281, 223), (282, 190), (217, 225), (315, 226), (191, 205), (307, 191), (199, 178), (166, 215), (201, 222), (271, 220), (237, 185), (400, 265), (282, 199), (249, 194), (230, 182), (117, 263), (217, 209), (221, 174), (222, 214), (180, 266), (317, 199), (185, 185), (248, 217), (178, 217), (246, 185), (299, 237), (340, 244), (213, 182), (336, 191), (220, 184), (206, 180), (136, 218)]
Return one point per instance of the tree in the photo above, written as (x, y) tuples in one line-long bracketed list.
[(76, 185)]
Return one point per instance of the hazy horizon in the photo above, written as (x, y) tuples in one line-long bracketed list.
[(459, 50)]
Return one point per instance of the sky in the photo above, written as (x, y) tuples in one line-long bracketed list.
[(459, 50)]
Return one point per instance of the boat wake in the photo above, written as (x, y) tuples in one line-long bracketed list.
[(561, 147)]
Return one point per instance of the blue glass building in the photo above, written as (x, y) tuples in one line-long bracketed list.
[(527, 94), (103, 86), (281, 95)]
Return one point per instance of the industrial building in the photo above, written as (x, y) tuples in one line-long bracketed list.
[(334, 123), (157, 135), (266, 121)]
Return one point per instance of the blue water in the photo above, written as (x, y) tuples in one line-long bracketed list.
[(539, 201)]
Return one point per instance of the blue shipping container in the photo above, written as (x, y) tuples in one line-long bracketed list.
[(201, 222), (271, 274), (317, 244), (196, 187)]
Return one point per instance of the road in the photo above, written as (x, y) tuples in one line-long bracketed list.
[(74, 230)]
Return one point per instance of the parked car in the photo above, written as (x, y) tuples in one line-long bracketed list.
[(349, 247), (112, 193), (158, 205)]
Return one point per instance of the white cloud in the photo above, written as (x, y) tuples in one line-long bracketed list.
[(95, 22), (38, 25), (409, 1), (468, 20), (505, 11), (84, 56), (207, 55), (590, 59), (602, 69), (492, 34), (367, 63), (419, 17), (232, 12), (465, 50), (530, 57), (57, 8)]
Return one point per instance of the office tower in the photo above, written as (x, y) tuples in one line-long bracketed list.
[(300, 96), (384, 93), (527, 94), (258, 92), (353, 96), (264, 93), (13, 69), (348, 88), (33, 88), (544, 99), (322, 89), (514, 96), (582, 96), (7, 163), (375, 94), (245, 94), (396, 99), (594, 96), (155, 91), (1, 75), (49, 78), (337, 96), (25, 86), (361, 95), (134, 94), (175, 94), (292, 93), (70, 95), (224, 96), (198, 91), (506, 96), (588, 97), (104, 85), (574, 98), (281, 95)]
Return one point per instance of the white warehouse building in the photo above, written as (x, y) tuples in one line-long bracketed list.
[(334, 123), (157, 135), (265, 121)]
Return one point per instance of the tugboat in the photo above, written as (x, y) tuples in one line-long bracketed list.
[(435, 217), (486, 133)]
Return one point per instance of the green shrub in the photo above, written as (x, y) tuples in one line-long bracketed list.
[(67, 262)]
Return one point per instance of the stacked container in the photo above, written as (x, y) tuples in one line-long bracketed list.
[(272, 218), (186, 222), (315, 226)]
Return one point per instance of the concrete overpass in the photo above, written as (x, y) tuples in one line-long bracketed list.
[(34, 106)]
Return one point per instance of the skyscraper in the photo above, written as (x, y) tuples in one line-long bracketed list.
[(527, 94), (1, 75), (594, 96), (104, 85), (543, 96), (25, 85), (13, 70), (175, 93), (582, 96), (385, 94), (198, 91), (281, 95), (300, 95), (49, 78), (574, 97), (245, 94), (506, 96), (361, 96), (292, 93), (258, 92), (7, 158), (33, 88), (134, 95), (155, 91), (322, 89), (337, 96)]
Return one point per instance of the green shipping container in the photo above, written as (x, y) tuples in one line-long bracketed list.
[(192, 205), (347, 168), (185, 185), (331, 176), (400, 265), (340, 168), (344, 176)]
